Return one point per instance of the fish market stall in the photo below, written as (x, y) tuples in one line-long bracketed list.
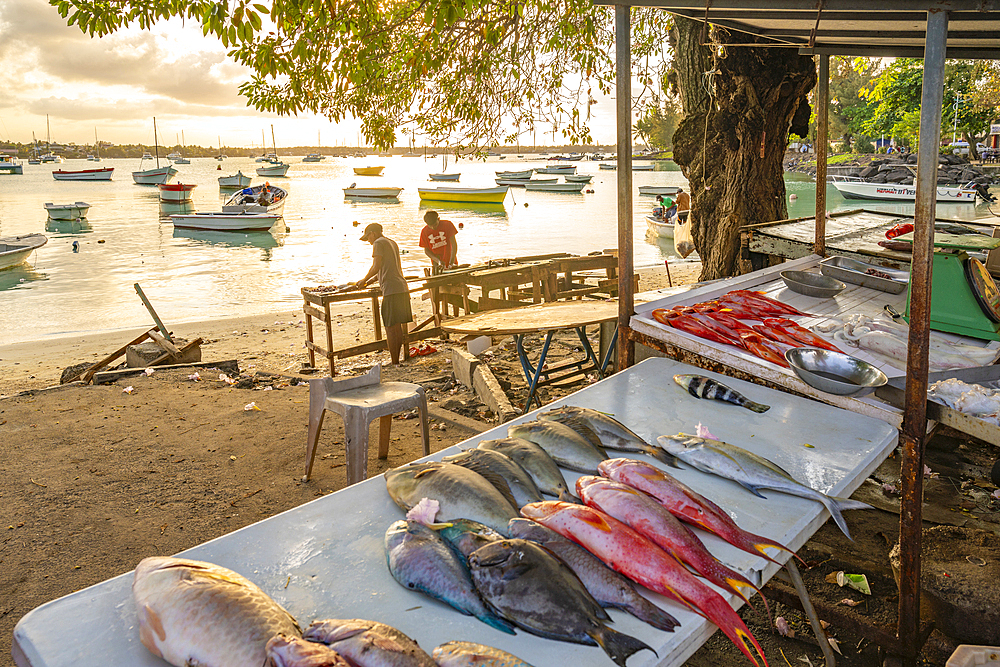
[(326, 559), (825, 314)]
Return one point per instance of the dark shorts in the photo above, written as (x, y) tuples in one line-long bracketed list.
[(396, 309)]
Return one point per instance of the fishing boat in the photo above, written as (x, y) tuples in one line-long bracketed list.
[(578, 178), (372, 193), (103, 174), (660, 227), (368, 171), (67, 211), (856, 188), (226, 222), (15, 249), (474, 195), (526, 174), (533, 186), (445, 177), (10, 165), (653, 190), (607, 166), (237, 180), (157, 175), (557, 169), (643, 167), (276, 170), (176, 192), (265, 198), (522, 182), (96, 157)]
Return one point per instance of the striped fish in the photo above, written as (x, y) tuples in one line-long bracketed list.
[(700, 386)]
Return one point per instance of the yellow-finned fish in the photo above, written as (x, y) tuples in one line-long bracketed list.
[(470, 654), (197, 613)]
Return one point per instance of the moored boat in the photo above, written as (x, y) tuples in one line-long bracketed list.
[(515, 174), (578, 178), (643, 167), (521, 182), (84, 174), (226, 222), (265, 198), (653, 190), (67, 211), (154, 176), (858, 189), (607, 166), (176, 192), (15, 249), (445, 177), (237, 180), (369, 171), (10, 165), (372, 193), (279, 169), (557, 169), (314, 157), (474, 195), (554, 187)]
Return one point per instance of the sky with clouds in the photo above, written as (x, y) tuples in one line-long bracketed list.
[(115, 86)]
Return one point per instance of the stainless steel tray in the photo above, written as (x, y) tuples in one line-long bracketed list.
[(853, 271)]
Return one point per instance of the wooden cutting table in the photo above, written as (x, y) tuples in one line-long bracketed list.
[(547, 318)]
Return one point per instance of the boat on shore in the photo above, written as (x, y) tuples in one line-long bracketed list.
[(84, 174), (176, 192), (654, 190), (265, 198), (372, 193), (70, 211), (226, 222), (572, 188), (472, 195), (856, 188), (369, 171), (15, 250), (237, 180)]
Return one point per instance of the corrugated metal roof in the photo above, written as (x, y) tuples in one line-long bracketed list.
[(882, 28)]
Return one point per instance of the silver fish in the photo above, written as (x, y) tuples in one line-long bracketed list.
[(752, 472), (519, 482), (470, 654), (700, 386), (285, 651), (536, 591), (608, 432), (421, 561), (197, 613), (460, 493), (536, 462), (368, 643), (567, 447), (465, 535), (609, 588)]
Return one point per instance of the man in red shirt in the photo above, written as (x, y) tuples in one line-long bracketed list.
[(437, 238)]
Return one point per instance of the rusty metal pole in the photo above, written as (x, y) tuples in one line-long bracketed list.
[(822, 134), (623, 107), (915, 412)]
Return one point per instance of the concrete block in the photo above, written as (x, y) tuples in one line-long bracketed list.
[(490, 393), (139, 356), (464, 365), (479, 345)]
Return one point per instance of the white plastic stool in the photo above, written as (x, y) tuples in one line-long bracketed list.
[(358, 401)]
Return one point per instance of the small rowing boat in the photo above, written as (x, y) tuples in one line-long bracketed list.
[(473, 195), (15, 249), (653, 190), (84, 174), (573, 188), (368, 171), (372, 193), (175, 192), (522, 182), (557, 169), (445, 177), (578, 178), (67, 211), (226, 222), (237, 180)]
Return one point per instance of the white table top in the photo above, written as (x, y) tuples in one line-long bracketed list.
[(325, 559)]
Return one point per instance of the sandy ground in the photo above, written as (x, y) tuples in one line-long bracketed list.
[(97, 478)]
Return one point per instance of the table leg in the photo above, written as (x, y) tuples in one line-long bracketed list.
[(526, 365), (309, 338), (582, 333), (329, 337), (376, 318), (609, 352), (817, 627)]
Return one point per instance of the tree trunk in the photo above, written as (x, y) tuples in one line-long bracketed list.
[(731, 143)]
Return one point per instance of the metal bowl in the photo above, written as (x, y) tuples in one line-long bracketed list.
[(812, 284), (834, 372)]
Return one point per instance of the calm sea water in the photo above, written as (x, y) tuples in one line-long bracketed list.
[(197, 275)]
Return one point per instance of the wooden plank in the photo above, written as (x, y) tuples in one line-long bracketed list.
[(377, 345), (316, 348), (165, 345), (89, 373), (170, 355), (534, 318), (107, 377), (314, 312)]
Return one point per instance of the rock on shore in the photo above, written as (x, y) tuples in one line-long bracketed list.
[(953, 170)]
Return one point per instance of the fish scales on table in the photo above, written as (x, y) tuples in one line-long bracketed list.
[(608, 431), (631, 554), (285, 651), (526, 584), (465, 535), (518, 482), (686, 504), (421, 561), (652, 520), (460, 493), (752, 471), (609, 588), (536, 462), (700, 386), (567, 447), (470, 654), (368, 643), (197, 613)]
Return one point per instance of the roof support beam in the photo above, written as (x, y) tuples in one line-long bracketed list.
[(623, 109), (915, 412), (894, 51), (822, 132), (888, 9)]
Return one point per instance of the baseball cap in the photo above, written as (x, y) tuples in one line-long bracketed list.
[(374, 229)]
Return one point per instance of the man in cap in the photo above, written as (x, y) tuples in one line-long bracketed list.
[(395, 295), (437, 238)]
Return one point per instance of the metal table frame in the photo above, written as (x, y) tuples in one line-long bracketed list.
[(538, 376)]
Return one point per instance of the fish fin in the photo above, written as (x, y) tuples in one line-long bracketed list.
[(617, 645), (648, 612), (663, 456), (578, 424), (568, 497), (495, 480), (752, 489), (835, 505), (497, 623), (757, 407)]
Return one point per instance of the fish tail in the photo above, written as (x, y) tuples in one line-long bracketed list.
[(496, 622), (836, 505), (756, 407), (568, 497), (618, 645), (663, 456), (648, 612), (717, 610)]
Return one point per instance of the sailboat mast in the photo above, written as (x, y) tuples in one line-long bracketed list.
[(263, 142), (273, 142), (156, 144), (48, 147), (97, 147)]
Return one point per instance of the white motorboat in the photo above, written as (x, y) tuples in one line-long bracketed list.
[(660, 227), (855, 188), (654, 190), (237, 180), (314, 157), (534, 186), (507, 175), (445, 177), (273, 170), (15, 249), (173, 156), (182, 160), (11, 165), (578, 178), (84, 174), (521, 182), (226, 222), (372, 193), (52, 157), (264, 198), (557, 169), (67, 211), (176, 192)]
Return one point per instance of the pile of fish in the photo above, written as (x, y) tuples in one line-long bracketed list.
[(722, 321), (887, 339), (197, 613), (972, 399)]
